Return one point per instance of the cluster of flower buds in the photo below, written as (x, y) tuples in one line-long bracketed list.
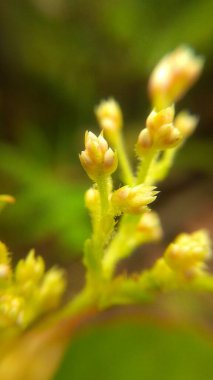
[(173, 76), (109, 116), (98, 159), (188, 253), (133, 200), (186, 123), (11, 310), (160, 132), (27, 292), (149, 226)]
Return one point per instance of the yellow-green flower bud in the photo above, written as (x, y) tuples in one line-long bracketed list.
[(11, 310), (98, 159), (156, 119), (168, 137), (149, 225), (186, 123), (144, 143), (173, 76), (162, 130), (188, 253), (92, 198), (51, 289), (109, 116), (133, 200), (31, 269)]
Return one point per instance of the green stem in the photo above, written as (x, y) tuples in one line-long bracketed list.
[(103, 188), (122, 245), (164, 165), (146, 166), (82, 301), (126, 169), (125, 240), (103, 223)]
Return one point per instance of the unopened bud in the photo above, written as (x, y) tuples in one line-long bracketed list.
[(186, 123), (144, 143), (133, 200), (156, 119), (51, 289), (188, 253), (11, 310), (109, 116), (30, 269), (161, 128), (98, 159), (168, 137), (173, 76), (149, 225), (92, 198)]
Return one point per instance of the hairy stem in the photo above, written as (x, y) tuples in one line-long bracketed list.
[(127, 174), (146, 167)]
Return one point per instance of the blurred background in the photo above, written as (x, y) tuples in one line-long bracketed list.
[(58, 58)]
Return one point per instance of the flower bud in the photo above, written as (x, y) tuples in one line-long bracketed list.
[(11, 310), (156, 119), (186, 123), (168, 137), (173, 76), (98, 159), (31, 269), (160, 127), (133, 200), (109, 116), (188, 253), (51, 289), (92, 198), (144, 143), (149, 225)]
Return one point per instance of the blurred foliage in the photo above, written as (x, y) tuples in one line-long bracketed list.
[(60, 60), (140, 352), (45, 204)]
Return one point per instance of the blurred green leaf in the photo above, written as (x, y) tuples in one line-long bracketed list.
[(47, 205), (195, 156), (140, 352)]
